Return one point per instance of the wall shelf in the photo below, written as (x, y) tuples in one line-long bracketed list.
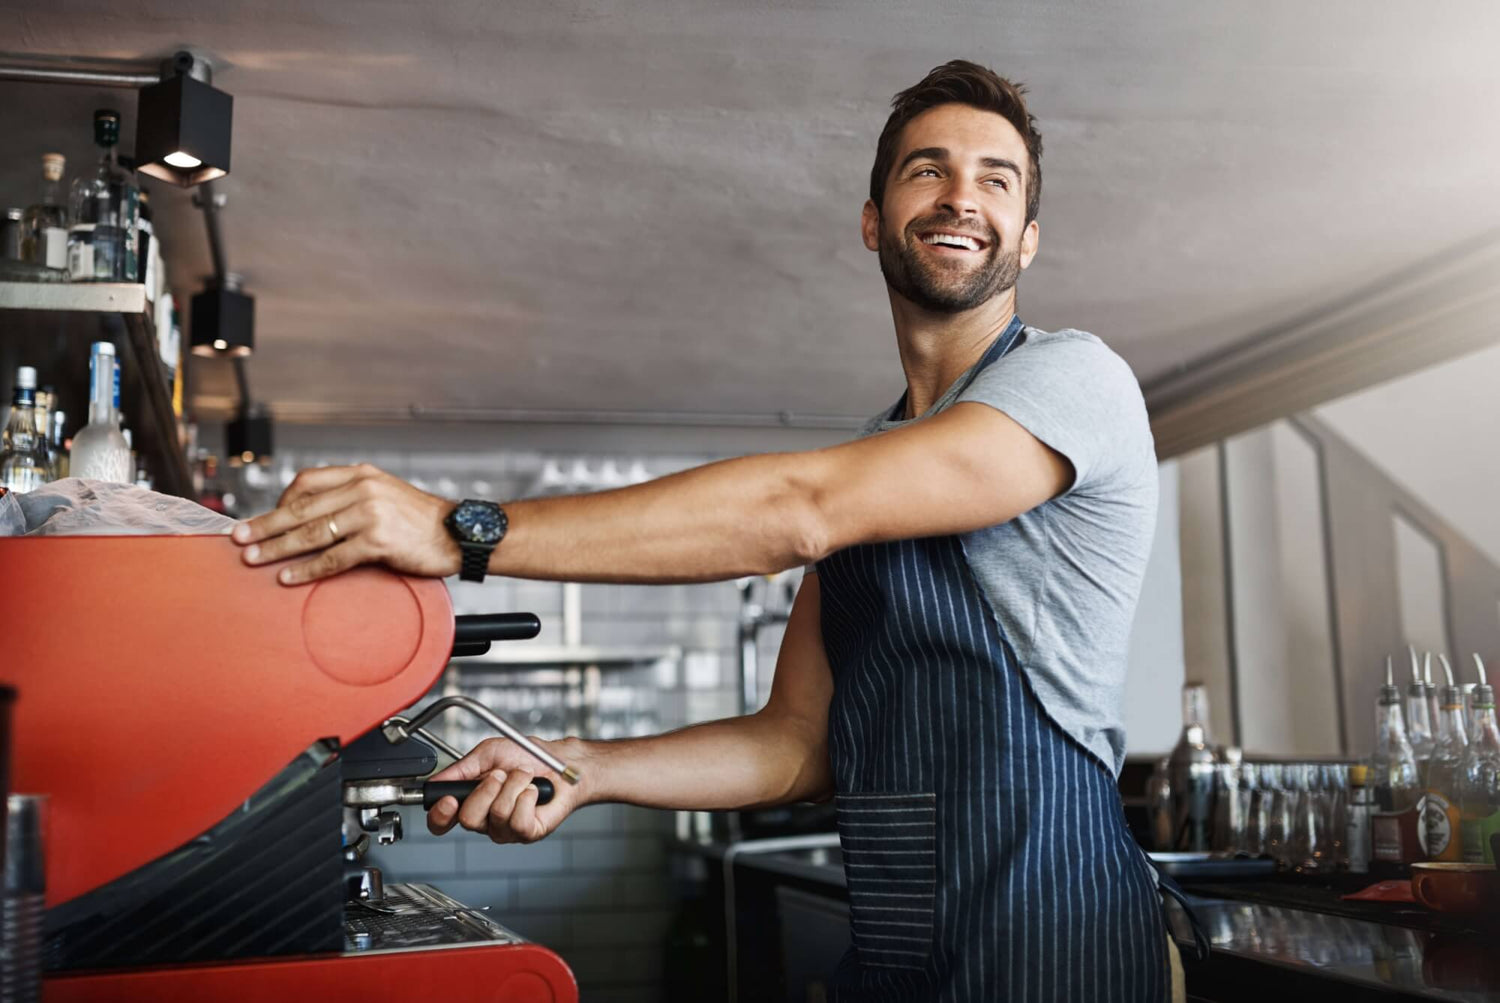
[(144, 386)]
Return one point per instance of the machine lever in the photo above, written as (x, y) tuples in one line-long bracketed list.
[(435, 790), (495, 627)]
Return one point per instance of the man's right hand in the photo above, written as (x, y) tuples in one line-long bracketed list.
[(504, 806)]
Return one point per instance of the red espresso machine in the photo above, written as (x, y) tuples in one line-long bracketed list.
[(198, 729)]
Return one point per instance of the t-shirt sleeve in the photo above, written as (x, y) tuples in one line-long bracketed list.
[(1077, 397)]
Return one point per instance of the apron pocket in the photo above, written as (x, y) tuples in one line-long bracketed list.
[(889, 843)]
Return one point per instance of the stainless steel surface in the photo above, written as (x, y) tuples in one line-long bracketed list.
[(419, 917), (1368, 955), (367, 885), (400, 732), (386, 825), (538, 654), (21, 916), (427, 737), (89, 78)]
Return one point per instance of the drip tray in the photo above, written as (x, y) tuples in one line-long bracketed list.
[(418, 917)]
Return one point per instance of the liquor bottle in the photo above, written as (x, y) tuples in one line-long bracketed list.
[(1420, 724), (57, 451), (1433, 710), (1191, 773), (23, 448), (1394, 841), (99, 449), (45, 398), (44, 228), (1357, 821), (1439, 806), (106, 207), (1479, 787)]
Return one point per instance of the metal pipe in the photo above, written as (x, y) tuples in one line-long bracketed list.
[(399, 732), (426, 736), (243, 382), (94, 78), (209, 203)]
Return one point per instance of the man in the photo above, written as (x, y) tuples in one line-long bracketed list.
[(951, 674)]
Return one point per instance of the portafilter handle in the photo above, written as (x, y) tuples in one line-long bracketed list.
[(473, 634)]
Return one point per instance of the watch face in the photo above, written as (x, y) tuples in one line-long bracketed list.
[(478, 522)]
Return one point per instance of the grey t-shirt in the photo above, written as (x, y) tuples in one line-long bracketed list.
[(1063, 579)]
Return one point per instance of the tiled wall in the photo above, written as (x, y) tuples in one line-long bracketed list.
[(597, 890)]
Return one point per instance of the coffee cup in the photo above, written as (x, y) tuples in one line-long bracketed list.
[(1453, 887)]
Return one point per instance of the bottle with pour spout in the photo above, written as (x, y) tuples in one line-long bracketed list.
[(1479, 783), (1393, 777), (1439, 806), (1421, 723)]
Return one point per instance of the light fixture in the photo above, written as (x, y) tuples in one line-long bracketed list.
[(247, 440), (183, 125), (223, 320)]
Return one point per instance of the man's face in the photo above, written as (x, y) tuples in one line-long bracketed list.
[(952, 233)]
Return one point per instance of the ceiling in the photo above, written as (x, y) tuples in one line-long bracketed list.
[(654, 207)]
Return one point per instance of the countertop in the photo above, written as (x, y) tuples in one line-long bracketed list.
[(1396, 953)]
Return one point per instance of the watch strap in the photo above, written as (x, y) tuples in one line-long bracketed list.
[(476, 561)]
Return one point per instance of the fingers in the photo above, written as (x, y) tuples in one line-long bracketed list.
[(315, 480), (306, 513), (474, 813), (330, 562), (442, 816)]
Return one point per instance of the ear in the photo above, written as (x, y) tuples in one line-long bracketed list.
[(1030, 241), (869, 225)]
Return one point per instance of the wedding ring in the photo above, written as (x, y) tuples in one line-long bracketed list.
[(333, 530)]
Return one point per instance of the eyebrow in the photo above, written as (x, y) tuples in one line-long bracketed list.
[(941, 153)]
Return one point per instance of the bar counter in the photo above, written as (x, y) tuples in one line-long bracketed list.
[(1281, 940)]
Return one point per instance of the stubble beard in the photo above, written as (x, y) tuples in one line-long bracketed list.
[(939, 289)]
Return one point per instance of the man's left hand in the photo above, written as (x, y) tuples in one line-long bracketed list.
[(353, 515)]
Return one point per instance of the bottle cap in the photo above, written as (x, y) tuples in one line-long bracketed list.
[(25, 378), (16, 213), (52, 166), (106, 127), (1484, 693), (103, 348), (1358, 774)]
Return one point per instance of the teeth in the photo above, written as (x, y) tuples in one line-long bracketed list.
[(950, 240)]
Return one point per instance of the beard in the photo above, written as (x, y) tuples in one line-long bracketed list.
[(940, 287)]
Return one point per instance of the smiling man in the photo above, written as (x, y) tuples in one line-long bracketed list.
[(952, 672)]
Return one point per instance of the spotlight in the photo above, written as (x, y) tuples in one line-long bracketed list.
[(247, 440), (223, 320), (183, 125)]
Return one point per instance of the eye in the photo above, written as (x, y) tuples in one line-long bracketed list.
[(924, 170), (1002, 182)]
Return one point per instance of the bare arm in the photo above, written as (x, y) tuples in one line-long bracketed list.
[(969, 467), (775, 756)]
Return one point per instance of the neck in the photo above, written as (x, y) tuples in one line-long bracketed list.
[(936, 348)]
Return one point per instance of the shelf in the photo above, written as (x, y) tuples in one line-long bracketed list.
[(143, 378), (544, 655), (80, 297)]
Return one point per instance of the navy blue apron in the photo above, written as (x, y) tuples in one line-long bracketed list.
[(986, 851)]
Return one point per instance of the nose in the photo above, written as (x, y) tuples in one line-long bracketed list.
[(959, 197)]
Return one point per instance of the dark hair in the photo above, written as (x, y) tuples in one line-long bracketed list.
[(961, 82)]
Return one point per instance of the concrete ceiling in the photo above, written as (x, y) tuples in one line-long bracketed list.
[(654, 207)]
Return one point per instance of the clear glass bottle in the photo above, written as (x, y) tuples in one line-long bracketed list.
[(1357, 825), (1479, 786), (105, 207), (99, 449), (57, 452), (1439, 807), (23, 446), (44, 401), (44, 228), (1192, 773), (1394, 781), (1421, 726)]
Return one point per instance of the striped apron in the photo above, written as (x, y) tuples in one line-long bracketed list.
[(986, 851)]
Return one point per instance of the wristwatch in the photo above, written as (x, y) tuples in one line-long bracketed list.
[(476, 526)]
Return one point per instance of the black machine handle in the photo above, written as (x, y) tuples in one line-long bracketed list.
[(435, 790), (495, 627)]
